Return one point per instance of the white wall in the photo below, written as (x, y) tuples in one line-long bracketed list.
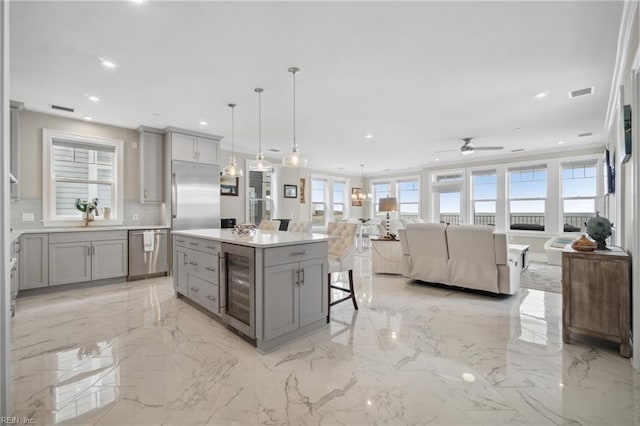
[(31, 127)]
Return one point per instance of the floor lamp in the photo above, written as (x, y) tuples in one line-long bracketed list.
[(388, 205)]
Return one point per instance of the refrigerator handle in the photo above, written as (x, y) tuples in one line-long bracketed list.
[(174, 196)]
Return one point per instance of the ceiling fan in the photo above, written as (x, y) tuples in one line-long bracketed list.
[(467, 148)]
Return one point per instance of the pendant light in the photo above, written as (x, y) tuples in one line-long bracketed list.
[(295, 158), (232, 169), (362, 194), (259, 164)]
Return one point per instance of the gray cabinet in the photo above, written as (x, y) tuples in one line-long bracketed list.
[(69, 262), (151, 166), (76, 257), (109, 259), (196, 271), (195, 148), (295, 296), (33, 261)]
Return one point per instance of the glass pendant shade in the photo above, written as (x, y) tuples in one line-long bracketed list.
[(260, 164), (295, 158), (232, 169)]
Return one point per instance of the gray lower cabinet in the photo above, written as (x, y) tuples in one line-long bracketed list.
[(196, 272), (109, 259), (69, 262), (295, 296), (34, 261), (76, 257)]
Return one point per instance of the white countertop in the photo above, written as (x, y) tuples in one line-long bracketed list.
[(260, 239), (91, 228)]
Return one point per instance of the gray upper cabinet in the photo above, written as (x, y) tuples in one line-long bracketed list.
[(14, 147), (193, 147), (151, 165), (34, 261)]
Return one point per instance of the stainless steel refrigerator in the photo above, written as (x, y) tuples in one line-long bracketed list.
[(195, 195)]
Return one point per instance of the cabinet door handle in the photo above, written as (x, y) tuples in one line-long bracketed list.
[(88, 251), (179, 241), (93, 250), (193, 244), (193, 263), (302, 279), (185, 258), (298, 253), (208, 268), (194, 289), (211, 247), (298, 276), (146, 193), (213, 299)]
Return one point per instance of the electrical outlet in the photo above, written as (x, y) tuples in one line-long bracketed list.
[(135, 216), (28, 217)]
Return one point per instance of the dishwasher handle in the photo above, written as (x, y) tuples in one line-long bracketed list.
[(155, 231)]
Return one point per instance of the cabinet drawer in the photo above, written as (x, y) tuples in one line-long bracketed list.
[(296, 253), (73, 237), (199, 244), (203, 293), (202, 265)]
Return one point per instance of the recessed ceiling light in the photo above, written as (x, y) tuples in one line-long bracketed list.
[(106, 63), (560, 142), (517, 129), (340, 168), (93, 98), (437, 159), (87, 118), (203, 123), (369, 136), (155, 114), (541, 94), (137, 1)]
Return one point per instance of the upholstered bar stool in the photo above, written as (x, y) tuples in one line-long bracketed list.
[(341, 258), (299, 227), (269, 225)]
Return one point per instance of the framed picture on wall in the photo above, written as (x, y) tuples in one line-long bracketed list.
[(356, 199), (229, 185), (290, 191)]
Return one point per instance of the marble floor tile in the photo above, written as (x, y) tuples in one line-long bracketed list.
[(133, 354)]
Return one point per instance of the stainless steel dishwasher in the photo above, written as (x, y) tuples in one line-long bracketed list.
[(145, 263)]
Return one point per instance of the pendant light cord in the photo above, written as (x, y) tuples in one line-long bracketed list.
[(294, 109), (232, 106), (260, 122)]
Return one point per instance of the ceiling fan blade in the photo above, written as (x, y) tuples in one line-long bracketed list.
[(487, 148), (447, 150)]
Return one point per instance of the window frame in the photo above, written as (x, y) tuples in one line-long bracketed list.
[(407, 179), (49, 216), (521, 168), (328, 198), (474, 173), (584, 163)]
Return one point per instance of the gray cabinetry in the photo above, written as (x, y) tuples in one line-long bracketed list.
[(295, 294), (109, 259), (197, 274), (193, 147), (70, 262), (151, 165), (85, 256), (34, 261)]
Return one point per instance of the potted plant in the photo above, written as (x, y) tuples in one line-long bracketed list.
[(87, 208)]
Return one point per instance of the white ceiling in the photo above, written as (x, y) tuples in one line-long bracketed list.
[(417, 76)]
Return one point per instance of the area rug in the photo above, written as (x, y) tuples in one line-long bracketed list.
[(542, 276)]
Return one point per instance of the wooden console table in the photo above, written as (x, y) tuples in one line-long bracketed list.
[(596, 295)]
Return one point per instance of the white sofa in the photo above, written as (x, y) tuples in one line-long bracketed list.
[(468, 256)]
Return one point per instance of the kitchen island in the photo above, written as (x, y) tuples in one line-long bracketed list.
[(271, 287)]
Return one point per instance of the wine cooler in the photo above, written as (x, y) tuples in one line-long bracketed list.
[(238, 279)]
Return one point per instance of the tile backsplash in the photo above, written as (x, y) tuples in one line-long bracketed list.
[(148, 214)]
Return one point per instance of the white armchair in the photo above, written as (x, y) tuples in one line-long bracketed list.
[(341, 258)]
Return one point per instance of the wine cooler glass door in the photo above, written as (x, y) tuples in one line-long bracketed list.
[(240, 284)]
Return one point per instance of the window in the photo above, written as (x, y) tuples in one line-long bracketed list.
[(579, 190), (449, 178), (260, 196), (485, 193), (339, 193), (409, 198), (527, 198), (318, 202), (380, 190), (80, 167)]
